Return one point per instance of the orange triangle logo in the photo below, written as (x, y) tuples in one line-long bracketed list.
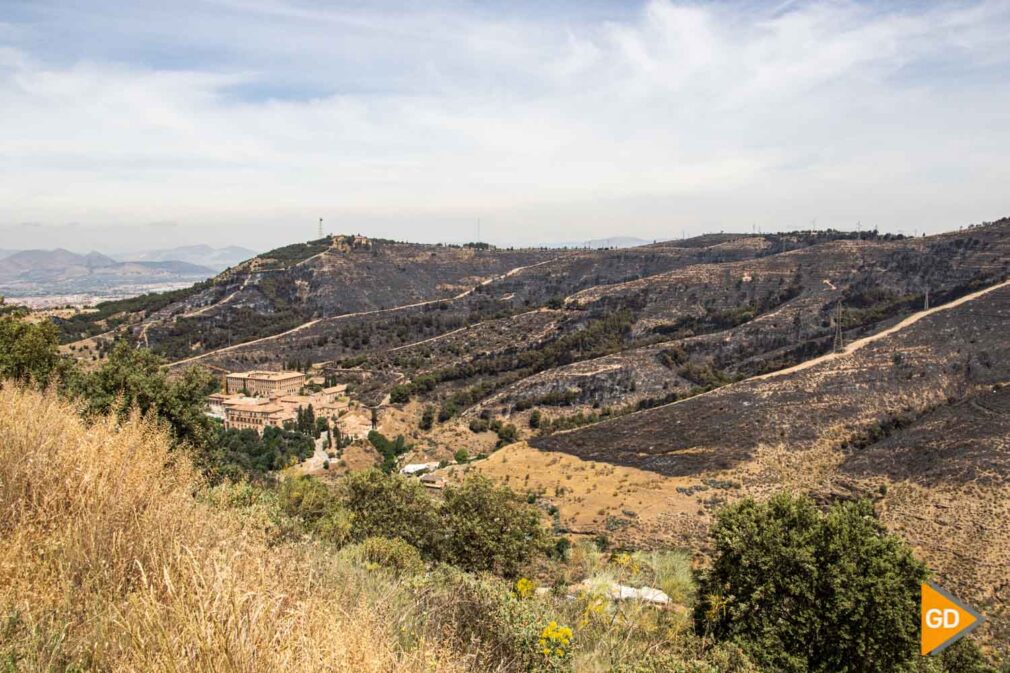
[(944, 619)]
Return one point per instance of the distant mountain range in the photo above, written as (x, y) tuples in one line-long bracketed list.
[(37, 273), (217, 259)]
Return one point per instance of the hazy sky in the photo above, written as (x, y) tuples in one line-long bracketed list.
[(148, 123)]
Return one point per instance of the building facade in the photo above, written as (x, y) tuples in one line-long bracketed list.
[(255, 416), (264, 384)]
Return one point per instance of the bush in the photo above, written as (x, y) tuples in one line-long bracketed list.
[(390, 506), (399, 394), (390, 553), (965, 656), (28, 351), (484, 616), (461, 456), (389, 450), (489, 528), (316, 506), (447, 411), (803, 590), (427, 418)]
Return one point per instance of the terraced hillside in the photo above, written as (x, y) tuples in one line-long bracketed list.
[(612, 348), (515, 283), (290, 286), (914, 417)]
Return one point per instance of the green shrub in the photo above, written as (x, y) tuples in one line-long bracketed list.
[(390, 506), (28, 351), (483, 616), (427, 418), (805, 591), (489, 528), (399, 394), (390, 553), (316, 505), (389, 450), (965, 656)]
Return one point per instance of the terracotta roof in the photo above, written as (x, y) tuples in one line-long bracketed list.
[(267, 376), (260, 408)]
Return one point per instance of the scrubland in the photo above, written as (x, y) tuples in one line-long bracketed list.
[(115, 555)]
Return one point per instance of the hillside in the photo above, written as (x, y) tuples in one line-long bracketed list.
[(632, 393), (606, 332), (553, 276), (290, 286), (913, 418)]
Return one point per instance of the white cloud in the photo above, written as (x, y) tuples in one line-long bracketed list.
[(676, 116)]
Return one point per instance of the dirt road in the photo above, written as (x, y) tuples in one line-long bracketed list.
[(345, 316)]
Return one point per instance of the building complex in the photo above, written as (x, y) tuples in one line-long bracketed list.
[(258, 399)]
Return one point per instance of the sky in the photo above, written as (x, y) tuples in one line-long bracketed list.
[(126, 126)]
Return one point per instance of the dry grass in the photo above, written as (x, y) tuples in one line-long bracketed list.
[(654, 513), (109, 562)]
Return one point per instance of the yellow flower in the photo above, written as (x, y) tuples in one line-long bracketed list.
[(555, 641), (525, 588)]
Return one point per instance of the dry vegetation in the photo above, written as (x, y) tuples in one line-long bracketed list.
[(115, 556), (108, 562)]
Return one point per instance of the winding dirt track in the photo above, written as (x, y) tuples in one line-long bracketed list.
[(848, 350), (376, 311), (865, 341)]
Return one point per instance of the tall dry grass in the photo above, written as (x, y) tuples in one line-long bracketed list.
[(109, 562)]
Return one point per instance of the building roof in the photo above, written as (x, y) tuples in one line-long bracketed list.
[(303, 400), (257, 408), (267, 376), (414, 468), (232, 400)]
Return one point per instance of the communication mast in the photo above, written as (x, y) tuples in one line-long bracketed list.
[(320, 227)]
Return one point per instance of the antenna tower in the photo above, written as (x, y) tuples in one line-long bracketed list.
[(320, 227)]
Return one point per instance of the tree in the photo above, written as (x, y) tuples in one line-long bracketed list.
[(488, 528), (29, 352), (134, 378), (461, 456), (390, 506), (389, 450), (399, 394), (803, 590), (427, 418), (535, 419)]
